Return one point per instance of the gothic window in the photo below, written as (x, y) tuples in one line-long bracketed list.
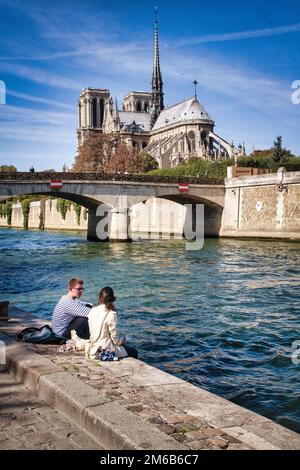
[(79, 115), (144, 145), (85, 111), (134, 144), (191, 143), (94, 111), (101, 107), (203, 136), (191, 135), (139, 106), (146, 107)]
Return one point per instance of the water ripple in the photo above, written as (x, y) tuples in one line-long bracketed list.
[(223, 318)]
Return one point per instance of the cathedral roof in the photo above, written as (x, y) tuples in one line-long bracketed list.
[(140, 120), (187, 110)]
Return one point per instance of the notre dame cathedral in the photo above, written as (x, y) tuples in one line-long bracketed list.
[(170, 135)]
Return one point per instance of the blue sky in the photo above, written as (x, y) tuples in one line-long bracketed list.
[(244, 55)]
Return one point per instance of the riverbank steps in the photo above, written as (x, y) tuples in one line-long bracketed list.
[(27, 423), (131, 405)]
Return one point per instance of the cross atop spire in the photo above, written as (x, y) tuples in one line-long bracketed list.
[(195, 85), (157, 83)]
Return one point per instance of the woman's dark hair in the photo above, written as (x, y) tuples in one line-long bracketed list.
[(107, 297)]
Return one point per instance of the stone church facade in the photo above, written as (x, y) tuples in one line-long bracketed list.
[(170, 135)]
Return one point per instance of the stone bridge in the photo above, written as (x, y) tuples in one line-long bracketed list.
[(118, 197)]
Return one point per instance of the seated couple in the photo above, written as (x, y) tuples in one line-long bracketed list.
[(97, 325)]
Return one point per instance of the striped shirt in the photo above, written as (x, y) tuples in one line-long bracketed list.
[(66, 311)]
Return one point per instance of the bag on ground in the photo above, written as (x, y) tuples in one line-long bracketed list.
[(106, 355), (43, 335)]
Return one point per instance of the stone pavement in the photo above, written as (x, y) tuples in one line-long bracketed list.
[(135, 406), (28, 423)]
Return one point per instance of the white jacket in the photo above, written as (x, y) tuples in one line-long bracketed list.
[(103, 332)]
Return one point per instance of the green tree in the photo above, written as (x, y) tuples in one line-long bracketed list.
[(280, 153), (149, 161)]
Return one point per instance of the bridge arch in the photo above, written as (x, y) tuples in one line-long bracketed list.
[(212, 212), (87, 202), (156, 217)]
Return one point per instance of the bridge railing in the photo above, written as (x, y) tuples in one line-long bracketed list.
[(120, 176)]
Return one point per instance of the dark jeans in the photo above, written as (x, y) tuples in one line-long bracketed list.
[(81, 326), (132, 352)]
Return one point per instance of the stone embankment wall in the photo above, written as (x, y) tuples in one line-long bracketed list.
[(266, 206), (54, 220), (52, 217), (157, 218), (148, 220)]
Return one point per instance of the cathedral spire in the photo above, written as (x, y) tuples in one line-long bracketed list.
[(157, 83)]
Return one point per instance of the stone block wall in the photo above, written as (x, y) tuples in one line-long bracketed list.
[(261, 206), (157, 218), (34, 215), (153, 219), (17, 216), (53, 218)]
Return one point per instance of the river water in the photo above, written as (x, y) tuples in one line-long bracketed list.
[(223, 318)]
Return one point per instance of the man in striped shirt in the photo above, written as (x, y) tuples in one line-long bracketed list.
[(70, 313)]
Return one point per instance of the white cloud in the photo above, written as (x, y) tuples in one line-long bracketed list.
[(22, 114), (20, 124), (37, 99), (240, 83), (101, 57), (41, 135), (96, 51), (41, 76), (237, 36)]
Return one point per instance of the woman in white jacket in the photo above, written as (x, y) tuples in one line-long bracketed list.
[(103, 328)]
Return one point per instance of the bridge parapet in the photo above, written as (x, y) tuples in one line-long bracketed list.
[(101, 176)]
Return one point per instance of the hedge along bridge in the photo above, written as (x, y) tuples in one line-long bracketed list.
[(117, 194)]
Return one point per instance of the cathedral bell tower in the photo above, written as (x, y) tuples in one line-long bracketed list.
[(157, 83), (92, 110)]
